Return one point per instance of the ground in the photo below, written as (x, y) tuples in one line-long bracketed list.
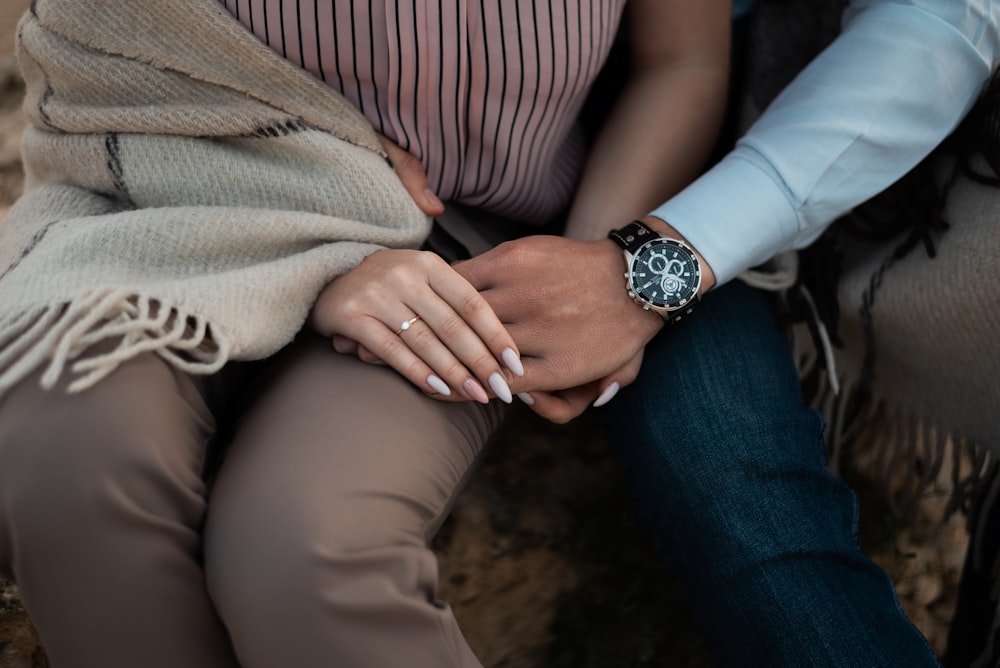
[(541, 559)]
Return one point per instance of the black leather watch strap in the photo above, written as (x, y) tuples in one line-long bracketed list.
[(632, 235)]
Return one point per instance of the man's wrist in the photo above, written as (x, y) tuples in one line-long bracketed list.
[(649, 322), (662, 227)]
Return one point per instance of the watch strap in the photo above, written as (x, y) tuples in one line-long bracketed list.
[(633, 235), (673, 316)]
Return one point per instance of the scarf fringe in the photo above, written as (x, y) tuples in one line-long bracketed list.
[(909, 457), (60, 333)]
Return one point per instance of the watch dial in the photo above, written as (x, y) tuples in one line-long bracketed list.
[(664, 273)]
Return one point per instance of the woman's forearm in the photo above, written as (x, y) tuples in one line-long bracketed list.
[(664, 125)]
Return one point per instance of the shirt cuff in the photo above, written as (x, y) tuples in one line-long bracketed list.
[(747, 225)]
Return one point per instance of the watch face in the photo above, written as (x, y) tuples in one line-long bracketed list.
[(664, 273)]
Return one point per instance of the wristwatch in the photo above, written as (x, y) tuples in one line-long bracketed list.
[(663, 274)]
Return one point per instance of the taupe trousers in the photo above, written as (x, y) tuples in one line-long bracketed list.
[(308, 548)]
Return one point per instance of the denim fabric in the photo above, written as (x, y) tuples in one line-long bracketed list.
[(742, 7), (729, 476)]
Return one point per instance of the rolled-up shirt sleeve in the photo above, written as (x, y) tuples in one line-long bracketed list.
[(891, 87)]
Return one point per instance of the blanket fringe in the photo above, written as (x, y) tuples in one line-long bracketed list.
[(60, 333), (908, 456)]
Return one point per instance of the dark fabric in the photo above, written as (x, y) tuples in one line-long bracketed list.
[(973, 640), (728, 472), (784, 36)]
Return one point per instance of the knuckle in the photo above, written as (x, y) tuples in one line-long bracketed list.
[(407, 162), (415, 369), (353, 306), (485, 364), (452, 327), (390, 348), (400, 273), (472, 303), (456, 372), (421, 338), (510, 254), (428, 260), (499, 341)]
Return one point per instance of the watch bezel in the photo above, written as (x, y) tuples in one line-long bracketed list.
[(646, 302)]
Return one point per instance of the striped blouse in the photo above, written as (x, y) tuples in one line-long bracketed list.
[(485, 94)]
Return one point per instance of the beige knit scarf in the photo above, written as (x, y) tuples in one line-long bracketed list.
[(188, 192)]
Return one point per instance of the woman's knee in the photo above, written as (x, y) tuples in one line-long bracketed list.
[(69, 462), (271, 565)]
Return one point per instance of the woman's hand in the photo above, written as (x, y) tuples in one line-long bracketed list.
[(409, 309), (413, 177), (561, 406)]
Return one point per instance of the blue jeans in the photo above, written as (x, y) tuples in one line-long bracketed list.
[(729, 475)]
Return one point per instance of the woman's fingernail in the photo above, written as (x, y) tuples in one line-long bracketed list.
[(526, 398), (500, 387), (607, 395), (475, 391), (513, 361), (438, 385), (431, 199)]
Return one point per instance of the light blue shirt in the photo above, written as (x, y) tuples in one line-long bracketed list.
[(896, 82)]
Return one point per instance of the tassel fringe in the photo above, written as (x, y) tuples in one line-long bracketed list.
[(59, 334), (910, 457)]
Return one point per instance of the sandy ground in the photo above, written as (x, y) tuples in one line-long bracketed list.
[(541, 559)]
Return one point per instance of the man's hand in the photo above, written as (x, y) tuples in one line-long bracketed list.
[(564, 302)]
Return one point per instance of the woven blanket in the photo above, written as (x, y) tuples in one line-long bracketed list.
[(188, 191), (918, 358)]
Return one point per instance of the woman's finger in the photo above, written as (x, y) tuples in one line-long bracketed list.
[(424, 342), (368, 356), (563, 405), (413, 177), (411, 310), (383, 346), (458, 316), (344, 345)]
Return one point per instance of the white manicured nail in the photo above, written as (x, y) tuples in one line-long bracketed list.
[(500, 387), (526, 398), (513, 361), (438, 385), (608, 394)]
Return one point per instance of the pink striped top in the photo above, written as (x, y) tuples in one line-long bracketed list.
[(485, 94)]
